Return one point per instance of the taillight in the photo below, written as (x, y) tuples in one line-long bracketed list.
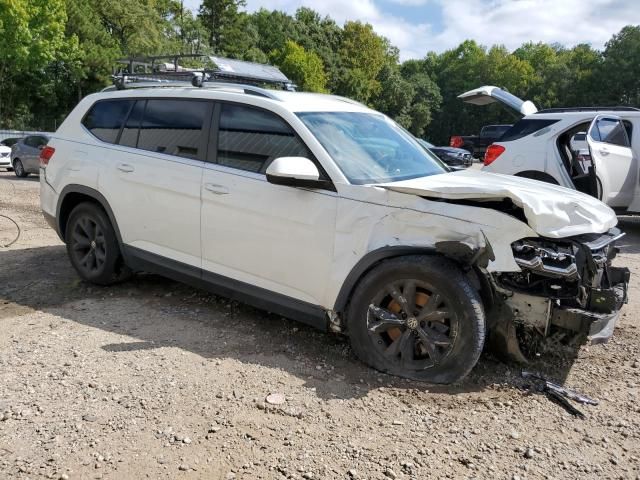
[(456, 141), (493, 152), (45, 155)]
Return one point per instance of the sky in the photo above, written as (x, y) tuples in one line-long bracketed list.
[(419, 26)]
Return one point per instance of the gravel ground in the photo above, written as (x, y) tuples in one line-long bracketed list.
[(155, 379)]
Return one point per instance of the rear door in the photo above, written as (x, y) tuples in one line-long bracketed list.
[(615, 166), (151, 177)]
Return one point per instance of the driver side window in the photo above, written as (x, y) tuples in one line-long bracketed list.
[(251, 138)]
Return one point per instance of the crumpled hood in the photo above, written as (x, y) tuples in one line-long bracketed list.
[(551, 211)]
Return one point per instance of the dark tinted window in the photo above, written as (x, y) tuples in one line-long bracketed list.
[(173, 127), (494, 131), (250, 138), (105, 119), (35, 141), (129, 137), (611, 131), (525, 127)]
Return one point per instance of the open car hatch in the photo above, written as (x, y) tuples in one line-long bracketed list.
[(489, 94)]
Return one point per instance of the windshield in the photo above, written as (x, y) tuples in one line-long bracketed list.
[(370, 148)]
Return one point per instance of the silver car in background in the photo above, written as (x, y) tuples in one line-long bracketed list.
[(25, 154)]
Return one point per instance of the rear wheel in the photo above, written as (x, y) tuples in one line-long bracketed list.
[(18, 168), (417, 317), (92, 245)]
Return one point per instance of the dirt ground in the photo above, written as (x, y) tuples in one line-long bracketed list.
[(154, 379)]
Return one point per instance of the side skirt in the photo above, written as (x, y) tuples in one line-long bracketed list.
[(141, 260)]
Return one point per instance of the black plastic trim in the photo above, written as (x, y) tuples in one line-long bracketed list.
[(367, 262), (297, 182), (95, 195), (141, 260)]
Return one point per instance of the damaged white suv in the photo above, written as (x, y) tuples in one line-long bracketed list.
[(322, 210)]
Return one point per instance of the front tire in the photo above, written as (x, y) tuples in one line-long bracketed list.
[(92, 246), (18, 168), (417, 317)]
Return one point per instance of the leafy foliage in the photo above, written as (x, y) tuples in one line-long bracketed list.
[(304, 68), (56, 51)]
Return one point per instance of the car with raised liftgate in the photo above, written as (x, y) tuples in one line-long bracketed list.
[(320, 209)]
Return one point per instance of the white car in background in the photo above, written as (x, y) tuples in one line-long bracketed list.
[(591, 149), (5, 157)]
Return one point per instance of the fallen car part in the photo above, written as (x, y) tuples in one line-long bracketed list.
[(560, 390), (560, 395)]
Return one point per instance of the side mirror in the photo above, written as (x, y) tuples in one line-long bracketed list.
[(294, 172)]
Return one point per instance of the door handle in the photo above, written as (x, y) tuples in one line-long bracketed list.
[(604, 152), (216, 189), (125, 167)]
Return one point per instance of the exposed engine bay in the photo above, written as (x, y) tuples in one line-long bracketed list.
[(567, 290)]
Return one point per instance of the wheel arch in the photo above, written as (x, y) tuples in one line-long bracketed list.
[(367, 263), (538, 175), (73, 195)]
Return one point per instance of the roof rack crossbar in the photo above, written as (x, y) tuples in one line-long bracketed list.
[(226, 73), (247, 89), (589, 109)]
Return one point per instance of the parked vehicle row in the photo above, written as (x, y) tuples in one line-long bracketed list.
[(320, 209)]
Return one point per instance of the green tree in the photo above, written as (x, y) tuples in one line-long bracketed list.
[(32, 33), (620, 70), (224, 23), (362, 55), (304, 68)]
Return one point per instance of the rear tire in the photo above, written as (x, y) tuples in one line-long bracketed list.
[(417, 317), (18, 168), (92, 246)]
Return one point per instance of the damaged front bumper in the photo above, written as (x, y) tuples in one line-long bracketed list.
[(567, 288)]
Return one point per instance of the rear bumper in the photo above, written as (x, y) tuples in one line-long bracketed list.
[(49, 203)]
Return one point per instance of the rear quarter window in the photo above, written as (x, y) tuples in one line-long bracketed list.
[(526, 127), (105, 119)]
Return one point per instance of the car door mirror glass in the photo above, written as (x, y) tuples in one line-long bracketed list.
[(293, 171)]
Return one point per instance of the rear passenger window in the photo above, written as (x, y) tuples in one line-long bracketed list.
[(611, 131), (250, 138), (105, 119), (173, 127)]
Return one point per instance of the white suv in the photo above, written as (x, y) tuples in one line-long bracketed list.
[(591, 149), (320, 209)]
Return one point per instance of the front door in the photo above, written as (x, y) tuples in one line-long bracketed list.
[(614, 162), (274, 237)]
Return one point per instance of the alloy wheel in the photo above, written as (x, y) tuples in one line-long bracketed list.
[(88, 245), (412, 323)]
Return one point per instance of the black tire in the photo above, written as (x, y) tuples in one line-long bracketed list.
[(92, 246), (408, 352), (18, 168)]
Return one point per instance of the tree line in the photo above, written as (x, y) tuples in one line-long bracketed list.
[(54, 52)]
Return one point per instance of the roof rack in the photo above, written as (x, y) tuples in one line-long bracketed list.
[(152, 72), (589, 109)]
